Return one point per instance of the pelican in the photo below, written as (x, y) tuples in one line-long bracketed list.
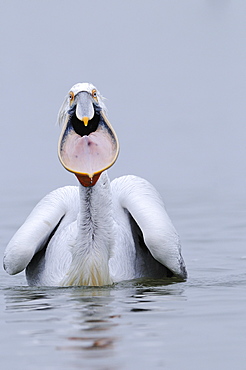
[(99, 232)]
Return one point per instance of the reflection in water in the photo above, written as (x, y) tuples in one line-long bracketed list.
[(90, 343), (34, 298), (86, 324)]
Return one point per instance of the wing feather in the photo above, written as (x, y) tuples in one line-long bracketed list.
[(145, 205), (39, 225)]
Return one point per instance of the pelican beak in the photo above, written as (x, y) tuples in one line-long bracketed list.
[(84, 107), (88, 144)]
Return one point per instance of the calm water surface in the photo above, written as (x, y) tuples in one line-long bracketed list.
[(197, 324)]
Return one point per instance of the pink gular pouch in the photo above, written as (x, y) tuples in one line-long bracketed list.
[(89, 155)]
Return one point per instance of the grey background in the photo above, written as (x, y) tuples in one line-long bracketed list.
[(173, 73), (174, 76)]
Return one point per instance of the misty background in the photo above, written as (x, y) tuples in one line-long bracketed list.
[(173, 73)]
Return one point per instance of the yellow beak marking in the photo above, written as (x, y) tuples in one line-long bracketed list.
[(85, 120)]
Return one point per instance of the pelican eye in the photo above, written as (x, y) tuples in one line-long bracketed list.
[(71, 97), (94, 94)]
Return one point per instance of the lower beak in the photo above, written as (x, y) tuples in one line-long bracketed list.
[(88, 155)]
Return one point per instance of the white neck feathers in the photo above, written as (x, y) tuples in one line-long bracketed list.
[(95, 237)]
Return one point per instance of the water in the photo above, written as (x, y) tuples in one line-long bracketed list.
[(197, 324)]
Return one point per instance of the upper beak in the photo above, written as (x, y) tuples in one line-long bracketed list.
[(87, 154), (84, 107)]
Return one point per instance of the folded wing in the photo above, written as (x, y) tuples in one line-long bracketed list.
[(32, 236), (145, 205)]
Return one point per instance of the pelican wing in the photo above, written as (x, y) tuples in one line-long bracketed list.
[(145, 205), (34, 234)]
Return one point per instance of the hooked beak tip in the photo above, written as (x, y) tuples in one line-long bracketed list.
[(85, 120)]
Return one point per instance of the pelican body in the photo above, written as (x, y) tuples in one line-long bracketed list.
[(99, 232)]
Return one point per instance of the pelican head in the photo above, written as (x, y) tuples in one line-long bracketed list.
[(88, 144)]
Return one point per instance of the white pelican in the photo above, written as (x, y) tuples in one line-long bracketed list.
[(97, 233)]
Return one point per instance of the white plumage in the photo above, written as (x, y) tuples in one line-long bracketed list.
[(100, 233)]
